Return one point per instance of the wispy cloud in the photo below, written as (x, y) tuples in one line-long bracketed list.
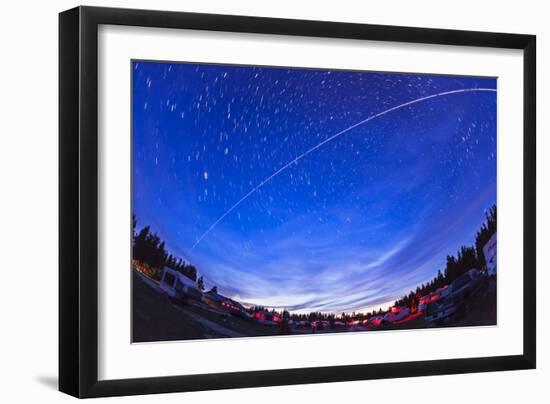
[(338, 277)]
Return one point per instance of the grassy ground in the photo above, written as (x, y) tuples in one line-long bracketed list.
[(483, 310), (156, 318)]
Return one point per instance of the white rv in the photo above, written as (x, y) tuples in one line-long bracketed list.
[(178, 286), (490, 253)]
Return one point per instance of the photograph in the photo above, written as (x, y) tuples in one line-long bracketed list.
[(273, 201)]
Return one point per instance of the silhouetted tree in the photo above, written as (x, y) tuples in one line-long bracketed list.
[(466, 259), (484, 234), (200, 283), (148, 248), (134, 224)]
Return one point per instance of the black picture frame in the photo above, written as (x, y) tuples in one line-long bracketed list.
[(78, 201)]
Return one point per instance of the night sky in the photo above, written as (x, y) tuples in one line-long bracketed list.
[(355, 223)]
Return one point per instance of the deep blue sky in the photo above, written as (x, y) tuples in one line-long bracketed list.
[(354, 224)]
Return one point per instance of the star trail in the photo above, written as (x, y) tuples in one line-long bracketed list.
[(284, 190)]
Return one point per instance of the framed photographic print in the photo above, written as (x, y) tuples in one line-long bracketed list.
[(268, 201)]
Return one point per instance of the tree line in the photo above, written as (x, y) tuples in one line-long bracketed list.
[(148, 248), (466, 259)]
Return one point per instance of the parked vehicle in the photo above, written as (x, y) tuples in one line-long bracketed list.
[(266, 318), (178, 286), (236, 309), (457, 301), (490, 254), (224, 305), (468, 284), (442, 292), (396, 314), (423, 303), (376, 321), (439, 294), (439, 312)]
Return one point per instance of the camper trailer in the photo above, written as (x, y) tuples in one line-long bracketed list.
[(439, 294), (266, 318), (396, 314), (376, 321), (490, 254), (178, 286), (222, 304)]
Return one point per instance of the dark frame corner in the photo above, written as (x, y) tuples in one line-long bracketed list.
[(78, 174)]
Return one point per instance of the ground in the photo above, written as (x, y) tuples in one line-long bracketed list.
[(157, 318)]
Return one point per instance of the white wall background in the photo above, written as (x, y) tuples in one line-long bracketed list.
[(28, 202)]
